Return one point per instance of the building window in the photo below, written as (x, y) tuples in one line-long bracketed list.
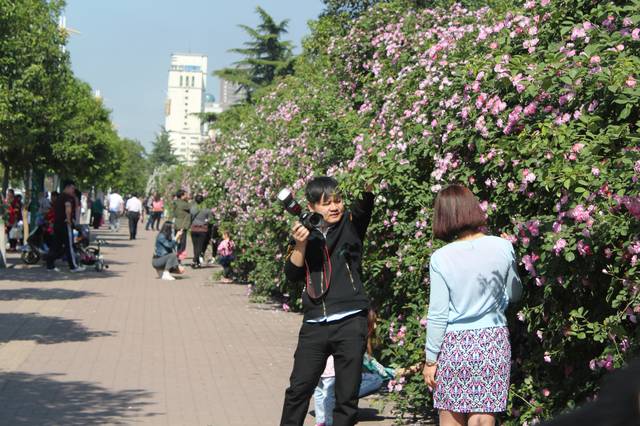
[(180, 80), (193, 81)]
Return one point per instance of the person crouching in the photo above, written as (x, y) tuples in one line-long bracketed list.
[(165, 259)]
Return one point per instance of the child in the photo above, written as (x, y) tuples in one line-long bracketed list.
[(373, 376), (225, 251)]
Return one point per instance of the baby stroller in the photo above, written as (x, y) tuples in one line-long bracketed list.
[(86, 253), (36, 247)]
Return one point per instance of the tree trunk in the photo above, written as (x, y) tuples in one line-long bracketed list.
[(5, 178)]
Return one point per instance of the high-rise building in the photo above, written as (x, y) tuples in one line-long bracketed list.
[(230, 93), (185, 102)]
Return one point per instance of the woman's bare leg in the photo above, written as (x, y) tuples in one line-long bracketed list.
[(482, 419), (449, 418)]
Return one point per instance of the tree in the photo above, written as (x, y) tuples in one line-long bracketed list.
[(162, 153), (266, 56), (33, 72), (351, 8), (132, 169)]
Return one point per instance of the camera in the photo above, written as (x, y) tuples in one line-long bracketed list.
[(309, 220)]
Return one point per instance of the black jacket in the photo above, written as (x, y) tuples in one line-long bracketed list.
[(341, 255)]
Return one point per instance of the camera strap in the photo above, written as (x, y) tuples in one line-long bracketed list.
[(325, 275)]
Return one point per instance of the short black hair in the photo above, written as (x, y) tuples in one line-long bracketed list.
[(199, 198), (320, 187), (67, 182), (180, 193)]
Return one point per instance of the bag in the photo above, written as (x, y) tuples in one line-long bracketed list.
[(199, 228)]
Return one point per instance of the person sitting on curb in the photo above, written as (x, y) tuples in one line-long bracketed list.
[(374, 375), (165, 259), (225, 250)]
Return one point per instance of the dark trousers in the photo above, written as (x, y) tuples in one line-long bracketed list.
[(155, 220), (345, 339), (226, 261), (96, 220), (134, 217), (199, 240), (61, 244)]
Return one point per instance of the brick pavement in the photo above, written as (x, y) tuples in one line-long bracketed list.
[(122, 347)]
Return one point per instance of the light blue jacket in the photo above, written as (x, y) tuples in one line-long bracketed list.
[(472, 283)]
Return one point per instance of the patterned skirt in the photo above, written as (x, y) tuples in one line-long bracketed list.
[(473, 371)]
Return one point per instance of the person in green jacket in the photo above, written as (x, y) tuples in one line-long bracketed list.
[(97, 210), (182, 220)]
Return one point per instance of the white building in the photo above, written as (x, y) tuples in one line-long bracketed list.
[(229, 94), (185, 101)]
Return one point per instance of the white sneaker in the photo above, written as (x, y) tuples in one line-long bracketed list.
[(167, 276), (80, 268), (54, 269)]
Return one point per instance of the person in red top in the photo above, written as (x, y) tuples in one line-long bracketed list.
[(64, 210), (13, 211)]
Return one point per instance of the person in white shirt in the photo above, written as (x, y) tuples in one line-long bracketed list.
[(115, 204), (134, 213)]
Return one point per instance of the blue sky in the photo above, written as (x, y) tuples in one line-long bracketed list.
[(123, 47)]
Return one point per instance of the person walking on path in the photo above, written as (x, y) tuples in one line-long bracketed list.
[(182, 216), (165, 259), (157, 209), (115, 204), (473, 279), (199, 230), (97, 210), (14, 211), (134, 214), (62, 242), (327, 261)]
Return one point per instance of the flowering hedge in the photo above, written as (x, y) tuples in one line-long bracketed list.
[(535, 110)]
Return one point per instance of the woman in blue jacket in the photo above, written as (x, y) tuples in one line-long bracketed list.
[(165, 259), (473, 280)]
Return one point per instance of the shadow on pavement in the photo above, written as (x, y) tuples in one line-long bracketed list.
[(28, 399), (44, 329), (18, 271), (43, 294)]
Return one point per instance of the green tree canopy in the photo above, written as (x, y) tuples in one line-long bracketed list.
[(162, 153), (265, 55)]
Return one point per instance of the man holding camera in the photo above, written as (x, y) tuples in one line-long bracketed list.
[(327, 258)]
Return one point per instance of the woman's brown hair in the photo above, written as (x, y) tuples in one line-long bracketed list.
[(456, 213), (372, 339)]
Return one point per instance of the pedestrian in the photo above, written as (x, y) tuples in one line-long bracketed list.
[(157, 210), (200, 218), (44, 204), (97, 211), (134, 214), (165, 259), (373, 376), (327, 260), (182, 217), (115, 204), (13, 210), (472, 281), (62, 241), (226, 256)]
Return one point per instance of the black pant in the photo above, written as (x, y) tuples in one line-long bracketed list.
[(96, 220), (345, 339), (199, 240), (61, 244), (134, 217), (182, 243), (155, 220)]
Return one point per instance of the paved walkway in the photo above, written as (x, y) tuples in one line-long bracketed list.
[(122, 347)]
